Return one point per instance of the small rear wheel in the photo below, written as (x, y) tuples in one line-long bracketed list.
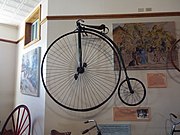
[(132, 98)]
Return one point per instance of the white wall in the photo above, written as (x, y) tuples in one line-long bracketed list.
[(162, 101), (47, 115), (8, 32), (81, 7), (36, 105), (7, 70)]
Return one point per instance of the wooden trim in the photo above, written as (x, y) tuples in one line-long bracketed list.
[(43, 21), (113, 16), (36, 15), (31, 43), (19, 40), (103, 16), (8, 41), (11, 41)]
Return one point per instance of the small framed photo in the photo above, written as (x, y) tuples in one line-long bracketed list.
[(156, 80), (131, 113), (142, 113)]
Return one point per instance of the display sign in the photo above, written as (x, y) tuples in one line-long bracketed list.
[(115, 129)]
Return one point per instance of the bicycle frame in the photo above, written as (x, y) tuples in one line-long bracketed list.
[(80, 68), (82, 27), (79, 44), (125, 71)]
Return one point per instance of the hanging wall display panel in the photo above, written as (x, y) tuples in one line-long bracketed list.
[(145, 45), (131, 113), (30, 72)]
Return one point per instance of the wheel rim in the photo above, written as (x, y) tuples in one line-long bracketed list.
[(94, 86), (175, 55), (135, 98), (18, 122)]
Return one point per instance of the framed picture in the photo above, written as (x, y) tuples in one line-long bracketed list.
[(30, 72), (156, 80), (142, 113), (131, 113), (145, 45)]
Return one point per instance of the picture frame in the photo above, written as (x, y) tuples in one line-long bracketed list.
[(145, 45), (156, 80), (131, 114), (30, 72)]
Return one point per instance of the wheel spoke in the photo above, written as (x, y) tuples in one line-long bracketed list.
[(23, 124), (13, 123), (19, 128), (17, 120)]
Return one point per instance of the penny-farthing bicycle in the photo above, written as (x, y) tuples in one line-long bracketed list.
[(81, 70)]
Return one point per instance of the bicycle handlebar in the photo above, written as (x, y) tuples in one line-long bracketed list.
[(97, 27)]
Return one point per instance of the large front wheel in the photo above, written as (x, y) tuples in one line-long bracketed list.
[(81, 88), (132, 97)]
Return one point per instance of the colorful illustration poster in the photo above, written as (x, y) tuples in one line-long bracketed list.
[(145, 45)]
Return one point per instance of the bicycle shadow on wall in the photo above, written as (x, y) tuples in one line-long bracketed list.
[(62, 112)]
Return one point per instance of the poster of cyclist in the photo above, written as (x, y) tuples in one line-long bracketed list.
[(145, 45)]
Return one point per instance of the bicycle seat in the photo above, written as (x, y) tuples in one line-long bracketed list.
[(174, 119)]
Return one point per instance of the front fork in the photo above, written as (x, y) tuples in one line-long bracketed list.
[(81, 65)]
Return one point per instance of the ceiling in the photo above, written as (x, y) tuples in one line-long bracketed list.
[(13, 12)]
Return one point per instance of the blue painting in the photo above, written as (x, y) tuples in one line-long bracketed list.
[(30, 72)]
